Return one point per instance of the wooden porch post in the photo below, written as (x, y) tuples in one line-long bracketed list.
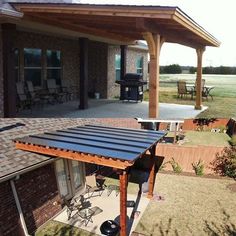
[(83, 90), (152, 175), (8, 36), (123, 53), (123, 199), (198, 102), (154, 42)]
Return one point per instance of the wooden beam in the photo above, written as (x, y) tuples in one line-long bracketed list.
[(83, 62), (93, 159), (152, 175), (154, 42), (123, 200), (198, 102), (9, 80)]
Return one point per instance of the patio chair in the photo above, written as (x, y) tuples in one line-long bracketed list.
[(182, 89), (92, 186), (66, 90), (22, 100), (53, 90), (34, 96), (72, 207)]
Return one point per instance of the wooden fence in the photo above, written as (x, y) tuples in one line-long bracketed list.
[(185, 155)]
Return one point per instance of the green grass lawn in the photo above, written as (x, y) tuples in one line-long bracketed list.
[(224, 93), (194, 138)]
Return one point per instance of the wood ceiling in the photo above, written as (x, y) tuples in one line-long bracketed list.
[(123, 23)]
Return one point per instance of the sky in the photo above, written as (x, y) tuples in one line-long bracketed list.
[(218, 17)]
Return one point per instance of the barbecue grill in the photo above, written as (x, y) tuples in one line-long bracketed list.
[(131, 87)]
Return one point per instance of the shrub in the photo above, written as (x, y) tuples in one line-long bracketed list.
[(198, 167), (233, 140), (225, 162), (175, 166)]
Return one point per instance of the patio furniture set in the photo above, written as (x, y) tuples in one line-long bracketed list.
[(185, 89), (28, 96), (80, 205)]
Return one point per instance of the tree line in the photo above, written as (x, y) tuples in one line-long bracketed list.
[(177, 69)]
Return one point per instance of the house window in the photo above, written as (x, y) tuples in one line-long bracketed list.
[(139, 65), (33, 65), (16, 65), (54, 66), (117, 66)]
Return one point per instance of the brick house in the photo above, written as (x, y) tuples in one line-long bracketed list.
[(80, 44), (40, 54), (38, 181)]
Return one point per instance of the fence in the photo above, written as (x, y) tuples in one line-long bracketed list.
[(185, 156)]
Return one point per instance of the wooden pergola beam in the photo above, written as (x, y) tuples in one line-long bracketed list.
[(123, 200), (93, 159), (154, 42), (198, 102)]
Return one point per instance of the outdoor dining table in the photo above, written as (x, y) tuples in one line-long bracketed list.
[(118, 148), (206, 89)]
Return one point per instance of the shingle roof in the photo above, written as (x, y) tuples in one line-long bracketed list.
[(13, 161)]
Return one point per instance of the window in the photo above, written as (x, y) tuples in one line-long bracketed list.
[(54, 66), (16, 65), (33, 65), (117, 66), (139, 65)]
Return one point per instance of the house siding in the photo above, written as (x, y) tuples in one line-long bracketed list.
[(69, 51), (1, 78)]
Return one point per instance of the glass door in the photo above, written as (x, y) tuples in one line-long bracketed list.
[(70, 177)]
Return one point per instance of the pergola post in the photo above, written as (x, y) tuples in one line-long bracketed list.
[(198, 102), (83, 89), (123, 58), (152, 175), (154, 42), (123, 199), (9, 81)]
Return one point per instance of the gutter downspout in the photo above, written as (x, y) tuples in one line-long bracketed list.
[(22, 220)]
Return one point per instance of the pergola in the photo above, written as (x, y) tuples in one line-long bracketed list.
[(124, 25), (118, 148)]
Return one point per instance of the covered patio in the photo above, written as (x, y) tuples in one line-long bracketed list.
[(111, 108), (117, 25)]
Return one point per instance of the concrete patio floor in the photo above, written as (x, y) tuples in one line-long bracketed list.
[(105, 108), (111, 211)]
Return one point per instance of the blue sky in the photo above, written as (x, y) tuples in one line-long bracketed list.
[(216, 16)]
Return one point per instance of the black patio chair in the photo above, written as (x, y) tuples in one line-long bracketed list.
[(53, 91), (93, 186), (23, 101), (65, 88), (182, 89)]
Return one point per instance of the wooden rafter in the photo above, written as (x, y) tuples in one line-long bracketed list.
[(75, 156)]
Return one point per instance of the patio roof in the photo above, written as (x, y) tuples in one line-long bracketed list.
[(108, 146), (124, 23)]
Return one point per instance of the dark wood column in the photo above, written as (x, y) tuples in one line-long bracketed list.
[(83, 91), (152, 175), (8, 37), (123, 199), (123, 58), (198, 103)]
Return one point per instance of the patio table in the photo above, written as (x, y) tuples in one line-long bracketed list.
[(206, 90), (118, 148)]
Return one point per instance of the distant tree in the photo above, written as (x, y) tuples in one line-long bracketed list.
[(172, 69), (192, 69)]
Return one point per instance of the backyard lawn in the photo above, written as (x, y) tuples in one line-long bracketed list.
[(191, 206), (224, 93)]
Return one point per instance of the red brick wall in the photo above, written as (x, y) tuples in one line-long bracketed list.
[(37, 191), (9, 217)]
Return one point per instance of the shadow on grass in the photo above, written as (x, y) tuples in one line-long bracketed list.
[(211, 228)]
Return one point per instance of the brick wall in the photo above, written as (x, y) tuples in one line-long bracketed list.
[(9, 218), (97, 64), (132, 55), (69, 51), (1, 78), (37, 191)]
